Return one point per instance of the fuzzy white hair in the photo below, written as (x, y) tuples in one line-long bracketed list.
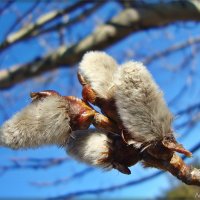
[(41, 123), (98, 68), (140, 103), (90, 147)]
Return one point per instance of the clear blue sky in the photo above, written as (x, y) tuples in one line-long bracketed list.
[(16, 183)]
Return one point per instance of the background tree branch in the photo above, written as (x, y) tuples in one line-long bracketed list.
[(128, 21), (26, 31)]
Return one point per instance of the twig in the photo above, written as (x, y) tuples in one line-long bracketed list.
[(32, 163), (43, 20), (64, 180), (171, 49), (6, 6), (73, 21), (108, 189), (12, 27), (189, 109)]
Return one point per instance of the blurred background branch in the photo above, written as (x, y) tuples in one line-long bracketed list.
[(128, 21)]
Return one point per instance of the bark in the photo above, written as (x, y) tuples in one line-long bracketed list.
[(131, 20), (176, 166)]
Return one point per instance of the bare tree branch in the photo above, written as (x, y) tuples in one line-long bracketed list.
[(6, 6), (30, 10), (43, 20), (32, 163), (77, 19), (64, 180), (108, 189), (128, 21), (176, 47), (189, 109)]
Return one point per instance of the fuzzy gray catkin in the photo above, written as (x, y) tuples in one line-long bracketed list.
[(98, 69), (140, 103), (42, 122), (90, 147)]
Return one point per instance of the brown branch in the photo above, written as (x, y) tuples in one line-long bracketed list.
[(176, 166), (128, 21), (120, 186)]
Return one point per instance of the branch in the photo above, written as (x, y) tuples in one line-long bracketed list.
[(189, 109), (43, 20), (193, 173), (171, 49), (64, 180), (176, 166), (33, 163), (117, 187), (6, 6), (12, 27), (57, 27), (108, 189), (128, 21)]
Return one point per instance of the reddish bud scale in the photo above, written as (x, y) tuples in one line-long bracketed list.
[(81, 114)]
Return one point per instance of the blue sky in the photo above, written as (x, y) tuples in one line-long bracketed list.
[(16, 183)]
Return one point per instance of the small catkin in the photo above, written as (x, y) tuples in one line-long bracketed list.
[(98, 69), (42, 122), (140, 103), (90, 147)]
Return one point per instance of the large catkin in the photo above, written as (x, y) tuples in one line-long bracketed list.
[(98, 69), (140, 103), (42, 122)]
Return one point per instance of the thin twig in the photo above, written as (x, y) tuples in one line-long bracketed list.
[(18, 21), (172, 49), (32, 163), (6, 6), (43, 20), (63, 180), (73, 21)]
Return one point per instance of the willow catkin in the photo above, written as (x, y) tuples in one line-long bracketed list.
[(140, 103), (98, 69), (90, 147), (42, 122)]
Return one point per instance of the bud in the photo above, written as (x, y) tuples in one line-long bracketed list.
[(140, 104), (42, 122), (97, 69)]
